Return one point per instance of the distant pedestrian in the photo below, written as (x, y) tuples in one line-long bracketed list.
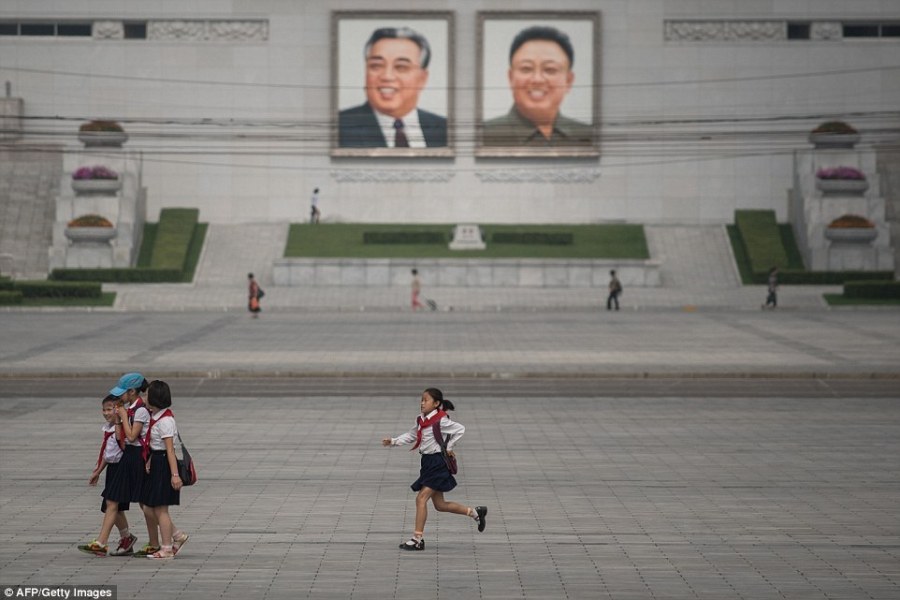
[(416, 290), (314, 213), (435, 476), (254, 294), (615, 288), (772, 298)]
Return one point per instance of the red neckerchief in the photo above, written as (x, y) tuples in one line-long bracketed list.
[(423, 423), (145, 444), (106, 436)]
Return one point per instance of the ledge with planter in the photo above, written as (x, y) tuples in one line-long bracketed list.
[(95, 180), (833, 181), (102, 134), (834, 135), (851, 229)]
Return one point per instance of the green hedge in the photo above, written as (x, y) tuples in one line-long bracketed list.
[(118, 275), (533, 237), (58, 289), (10, 297), (173, 237), (872, 289), (6, 283), (404, 237), (762, 239), (822, 277)]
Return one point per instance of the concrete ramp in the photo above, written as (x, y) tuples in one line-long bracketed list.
[(29, 184), (232, 251), (693, 257)]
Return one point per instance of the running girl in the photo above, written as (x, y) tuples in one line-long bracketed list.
[(434, 476)]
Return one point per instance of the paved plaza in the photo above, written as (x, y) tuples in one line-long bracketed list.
[(714, 495), (644, 454)]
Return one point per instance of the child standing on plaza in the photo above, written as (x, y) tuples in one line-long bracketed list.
[(162, 487), (113, 511), (434, 476)]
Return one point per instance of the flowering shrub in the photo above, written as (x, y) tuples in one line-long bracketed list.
[(90, 221), (98, 172), (99, 125), (840, 173), (851, 222), (834, 127)]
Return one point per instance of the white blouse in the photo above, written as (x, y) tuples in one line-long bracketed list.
[(429, 445)]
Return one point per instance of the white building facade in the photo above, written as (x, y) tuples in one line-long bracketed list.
[(698, 106)]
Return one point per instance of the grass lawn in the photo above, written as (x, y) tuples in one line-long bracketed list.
[(338, 240), (105, 299), (840, 300)]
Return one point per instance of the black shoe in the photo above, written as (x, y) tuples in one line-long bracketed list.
[(482, 511), (413, 544)]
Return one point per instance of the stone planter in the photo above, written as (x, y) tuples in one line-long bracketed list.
[(834, 140), (842, 187), (105, 187), (102, 139), (90, 235), (851, 235)]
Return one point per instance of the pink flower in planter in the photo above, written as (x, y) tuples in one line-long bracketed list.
[(840, 173), (98, 172)]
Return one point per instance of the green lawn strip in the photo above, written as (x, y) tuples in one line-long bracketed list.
[(762, 239), (740, 255), (841, 300), (789, 242), (193, 252), (173, 237), (147, 242), (105, 299), (346, 241)]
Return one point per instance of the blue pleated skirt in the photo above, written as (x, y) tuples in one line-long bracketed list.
[(434, 474), (109, 490), (158, 489), (128, 478)]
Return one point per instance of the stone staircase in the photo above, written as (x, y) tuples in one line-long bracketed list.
[(29, 184)]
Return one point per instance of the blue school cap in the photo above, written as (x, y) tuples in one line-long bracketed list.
[(128, 381)]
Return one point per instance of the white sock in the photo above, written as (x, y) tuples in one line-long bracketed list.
[(473, 513), (123, 533)]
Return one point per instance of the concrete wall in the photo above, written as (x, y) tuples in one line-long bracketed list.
[(658, 163)]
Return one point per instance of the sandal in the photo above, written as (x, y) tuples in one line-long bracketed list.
[(161, 555), (179, 541)]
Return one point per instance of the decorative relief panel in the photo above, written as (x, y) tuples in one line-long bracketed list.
[(108, 30), (177, 30), (826, 31), (538, 175), (386, 176), (197, 31), (725, 31), (239, 30)]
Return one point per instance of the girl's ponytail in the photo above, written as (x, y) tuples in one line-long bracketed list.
[(438, 396)]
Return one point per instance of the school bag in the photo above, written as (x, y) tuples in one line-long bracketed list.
[(186, 469), (450, 461), (187, 472)]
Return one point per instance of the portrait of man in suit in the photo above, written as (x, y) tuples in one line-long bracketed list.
[(396, 72)]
